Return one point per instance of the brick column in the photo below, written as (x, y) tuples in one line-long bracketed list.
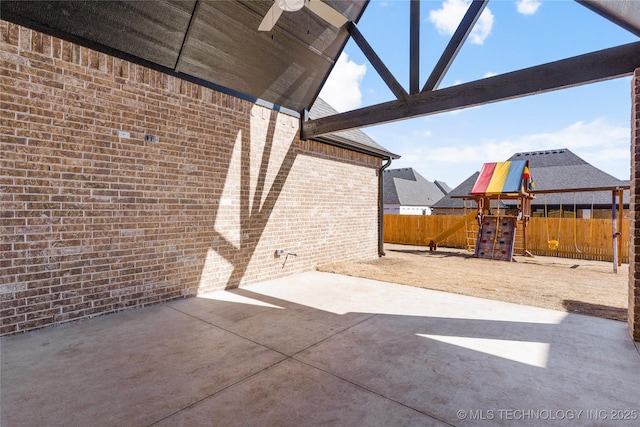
[(634, 256)]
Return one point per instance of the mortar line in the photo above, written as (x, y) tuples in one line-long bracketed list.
[(291, 357), (334, 334), (373, 392), (227, 330), (219, 391), (286, 357), (354, 383)]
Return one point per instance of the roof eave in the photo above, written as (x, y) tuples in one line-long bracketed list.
[(338, 141)]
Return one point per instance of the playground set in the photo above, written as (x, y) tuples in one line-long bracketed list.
[(497, 224), (498, 230)]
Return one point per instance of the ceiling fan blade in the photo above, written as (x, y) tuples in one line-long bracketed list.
[(270, 18), (326, 12)]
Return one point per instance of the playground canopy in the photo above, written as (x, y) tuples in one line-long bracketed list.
[(503, 178)]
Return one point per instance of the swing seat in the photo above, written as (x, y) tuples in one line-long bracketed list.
[(553, 244), (582, 251)]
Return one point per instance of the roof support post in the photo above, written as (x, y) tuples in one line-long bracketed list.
[(414, 48), (381, 251)]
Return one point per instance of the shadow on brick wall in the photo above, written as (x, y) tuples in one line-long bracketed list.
[(249, 210)]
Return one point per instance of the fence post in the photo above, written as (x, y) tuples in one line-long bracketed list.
[(614, 231), (620, 209)]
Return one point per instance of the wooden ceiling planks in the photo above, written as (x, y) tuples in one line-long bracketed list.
[(225, 47), (219, 44), (152, 31)]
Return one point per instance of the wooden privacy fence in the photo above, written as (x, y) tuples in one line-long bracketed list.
[(589, 239)]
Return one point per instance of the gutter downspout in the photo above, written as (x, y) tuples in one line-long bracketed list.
[(381, 209)]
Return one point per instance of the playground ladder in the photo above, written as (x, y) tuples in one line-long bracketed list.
[(471, 236), (519, 246), (471, 230)]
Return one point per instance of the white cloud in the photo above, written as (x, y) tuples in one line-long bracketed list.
[(422, 133), (528, 7), (448, 17), (599, 142), (490, 74), (342, 88), (597, 136)]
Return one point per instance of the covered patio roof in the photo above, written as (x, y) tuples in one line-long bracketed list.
[(217, 43)]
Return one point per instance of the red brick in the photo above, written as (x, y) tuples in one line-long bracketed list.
[(108, 223), (634, 253)]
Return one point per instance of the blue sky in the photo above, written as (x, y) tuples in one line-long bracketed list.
[(591, 120)]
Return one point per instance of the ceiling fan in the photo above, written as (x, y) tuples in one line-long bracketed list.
[(318, 7)]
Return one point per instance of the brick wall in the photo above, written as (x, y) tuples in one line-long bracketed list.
[(634, 250), (94, 223)]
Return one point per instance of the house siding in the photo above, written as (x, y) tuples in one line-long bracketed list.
[(94, 223), (407, 210), (415, 210), (634, 232)]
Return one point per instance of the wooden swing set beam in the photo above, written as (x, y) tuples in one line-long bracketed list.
[(616, 214), (580, 190)]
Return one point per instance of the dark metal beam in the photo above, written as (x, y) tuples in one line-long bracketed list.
[(596, 7), (456, 42), (377, 63), (589, 68), (414, 47)]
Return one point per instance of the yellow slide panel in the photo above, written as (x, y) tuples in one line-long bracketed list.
[(459, 224)]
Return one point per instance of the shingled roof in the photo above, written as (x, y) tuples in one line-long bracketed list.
[(561, 169), (443, 186), (406, 187), (453, 199), (553, 170), (353, 139)]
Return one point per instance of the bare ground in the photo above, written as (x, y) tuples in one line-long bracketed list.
[(577, 286)]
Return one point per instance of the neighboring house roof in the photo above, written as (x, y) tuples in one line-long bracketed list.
[(353, 139), (553, 170), (443, 186), (406, 187), (453, 200), (561, 169)]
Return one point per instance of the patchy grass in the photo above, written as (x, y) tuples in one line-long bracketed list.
[(576, 286)]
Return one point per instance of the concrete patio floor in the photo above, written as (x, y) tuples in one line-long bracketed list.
[(323, 349)]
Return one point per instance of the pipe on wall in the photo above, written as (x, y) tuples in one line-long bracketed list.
[(381, 207)]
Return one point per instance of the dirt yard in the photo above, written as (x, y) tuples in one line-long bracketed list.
[(577, 286)]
